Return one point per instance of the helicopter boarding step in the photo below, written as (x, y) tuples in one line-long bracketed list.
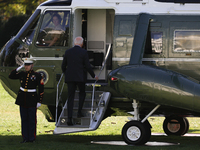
[(93, 113)]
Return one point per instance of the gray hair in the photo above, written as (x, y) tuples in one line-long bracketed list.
[(78, 40)]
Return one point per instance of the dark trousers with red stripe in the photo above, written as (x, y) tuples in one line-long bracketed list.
[(28, 123)]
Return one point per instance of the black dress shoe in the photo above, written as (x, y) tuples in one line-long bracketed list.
[(69, 122), (32, 141), (24, 141), (79, 115)]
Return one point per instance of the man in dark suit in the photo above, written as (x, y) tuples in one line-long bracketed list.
[(75, 65)]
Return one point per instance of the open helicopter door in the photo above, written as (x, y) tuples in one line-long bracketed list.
[(96, 27), (96, 40)]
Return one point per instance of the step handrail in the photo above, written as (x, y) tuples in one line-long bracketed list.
[(93, 91), (57, 96)]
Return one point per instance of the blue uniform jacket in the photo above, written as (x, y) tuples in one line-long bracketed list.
[(28, 80)]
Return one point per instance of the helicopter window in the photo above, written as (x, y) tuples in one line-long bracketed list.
[(154, 43), (125, 28), (54, 30), (186, 41)]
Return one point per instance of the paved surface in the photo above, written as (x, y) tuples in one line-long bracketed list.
[(187, 134), (147, 144), (123, 143)]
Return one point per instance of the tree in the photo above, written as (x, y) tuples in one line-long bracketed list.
[(13, 14), (30, 6), (9, 8)]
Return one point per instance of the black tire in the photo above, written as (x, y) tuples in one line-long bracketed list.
[(186, 126), (136, 133), (174, 125), (148, 130)]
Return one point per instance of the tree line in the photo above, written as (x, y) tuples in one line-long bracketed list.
[(13, 15)]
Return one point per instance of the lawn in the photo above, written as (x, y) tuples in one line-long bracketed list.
[(109, 130)]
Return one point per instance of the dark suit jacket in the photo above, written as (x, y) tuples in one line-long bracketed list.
[(76, 64), (28, 80)]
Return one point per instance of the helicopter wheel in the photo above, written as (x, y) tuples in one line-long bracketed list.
[(136, 133), (175, 125), (187, 125)]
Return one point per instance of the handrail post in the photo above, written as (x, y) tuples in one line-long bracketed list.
[(93, 92), (57, 98)]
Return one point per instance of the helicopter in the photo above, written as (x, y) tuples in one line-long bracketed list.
[(146, 54)]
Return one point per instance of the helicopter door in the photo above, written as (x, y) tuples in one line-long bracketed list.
[(96, 40), (96, 28)]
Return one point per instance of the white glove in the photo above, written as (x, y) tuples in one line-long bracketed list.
[(38, 105), (20, 67)]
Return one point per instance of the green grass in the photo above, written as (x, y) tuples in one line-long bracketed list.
[(109, 130)]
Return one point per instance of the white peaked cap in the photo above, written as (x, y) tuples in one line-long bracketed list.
[(28, 60)]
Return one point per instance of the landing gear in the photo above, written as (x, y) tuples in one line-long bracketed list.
[(175, 125), (136, 133)]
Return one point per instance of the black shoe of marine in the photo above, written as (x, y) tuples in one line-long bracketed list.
[(24, 141), (32, 141)]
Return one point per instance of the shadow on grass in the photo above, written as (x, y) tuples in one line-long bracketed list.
[(82, 142), (193, 130)]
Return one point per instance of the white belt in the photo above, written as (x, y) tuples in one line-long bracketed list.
[(27, 90)]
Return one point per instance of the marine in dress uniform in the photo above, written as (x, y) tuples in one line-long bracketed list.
[(28, 99)]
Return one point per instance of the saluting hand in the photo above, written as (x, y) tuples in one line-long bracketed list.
[(20, 67)]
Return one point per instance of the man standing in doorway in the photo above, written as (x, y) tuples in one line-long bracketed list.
[(27, 98), (75, 65)]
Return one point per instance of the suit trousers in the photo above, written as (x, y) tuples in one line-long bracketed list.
[(28, 122), (71, 93)]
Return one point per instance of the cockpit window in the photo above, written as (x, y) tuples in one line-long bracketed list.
[(54, 30), (186, 41)]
